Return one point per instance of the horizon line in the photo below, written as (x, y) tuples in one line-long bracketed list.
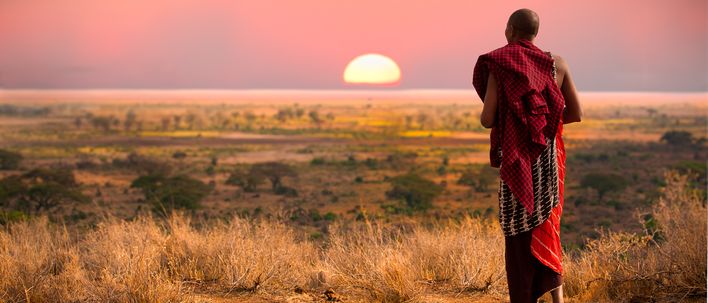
[(324, 90)]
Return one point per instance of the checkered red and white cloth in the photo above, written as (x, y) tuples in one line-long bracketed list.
[(529, 110)]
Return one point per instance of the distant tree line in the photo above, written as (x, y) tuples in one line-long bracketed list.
[(23, 111)]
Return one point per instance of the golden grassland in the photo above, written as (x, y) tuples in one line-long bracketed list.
[(241, 260), (107, 254)]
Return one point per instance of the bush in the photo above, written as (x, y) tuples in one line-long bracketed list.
[(371, 163), (257, 173), (9, 160), (416, 191), (142, 164), (245, 179), (179, 155), (12, 216), (273, 171), (478, 181), (285, 191), (168, 193), (330, 216), (677, 138), (40, 189), (317, 161), (603, 183)]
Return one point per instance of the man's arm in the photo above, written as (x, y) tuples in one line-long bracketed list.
[(573, 112), (489, 110)]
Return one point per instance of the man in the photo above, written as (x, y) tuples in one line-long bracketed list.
[(528, 95)]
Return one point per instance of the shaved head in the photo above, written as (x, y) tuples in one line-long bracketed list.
[(524, 23)]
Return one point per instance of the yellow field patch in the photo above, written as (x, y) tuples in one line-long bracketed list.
[(371, 122), (180, 134), (425, 133), (603, 123), (98, 150)]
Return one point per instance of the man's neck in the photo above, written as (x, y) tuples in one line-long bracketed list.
[(516, 40)]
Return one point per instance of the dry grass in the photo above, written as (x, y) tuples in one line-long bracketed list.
[(667, 263), (150, 260)]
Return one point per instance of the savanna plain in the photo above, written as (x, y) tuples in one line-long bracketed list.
[(322, 196)]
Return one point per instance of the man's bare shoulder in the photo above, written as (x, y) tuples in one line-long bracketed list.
[(561, 64)]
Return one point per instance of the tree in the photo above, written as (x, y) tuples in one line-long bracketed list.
[(422, 119), (330, 116), (102, 123), (10, 188), (129, 121), (247, 180), (173, 192), (177, 121), (487, 176), (677, 138), (142, 164), (41, 189), (603, 183), (417, 192), (284, 114), (315, 117), (165, 123), (9, 159), (192, 120), (409, 121), (250, 118), (299, 112), (273, 171), (481, 181)]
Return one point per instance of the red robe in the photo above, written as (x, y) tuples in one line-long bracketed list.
[(530, 109)]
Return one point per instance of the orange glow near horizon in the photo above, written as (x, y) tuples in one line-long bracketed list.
[(372, 69)]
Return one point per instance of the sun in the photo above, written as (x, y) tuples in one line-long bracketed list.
[(372, 69)]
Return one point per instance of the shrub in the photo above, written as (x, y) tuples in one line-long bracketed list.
[(258, 173), (603, 183), (317, 161), (142, 164), (175, 192), (179, 155), (330, 216), (40, 189), (273, 171), (416, 191), (285, 191), (677, 138), (479, 181), (9, 160), (245, 179)]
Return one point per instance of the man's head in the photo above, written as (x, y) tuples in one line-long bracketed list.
[(522, 24)]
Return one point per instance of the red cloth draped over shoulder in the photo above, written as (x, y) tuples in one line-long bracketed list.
[(529, 110)]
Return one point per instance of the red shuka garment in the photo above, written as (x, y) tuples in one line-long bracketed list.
[(529, 110)]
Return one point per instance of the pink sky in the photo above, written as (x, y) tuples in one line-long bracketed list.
[(630, 45)]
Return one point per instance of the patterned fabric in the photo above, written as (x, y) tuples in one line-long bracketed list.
[(545, 239), (529, 109), (513, 217)]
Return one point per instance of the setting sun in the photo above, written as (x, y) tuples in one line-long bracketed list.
[(372, 69)]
